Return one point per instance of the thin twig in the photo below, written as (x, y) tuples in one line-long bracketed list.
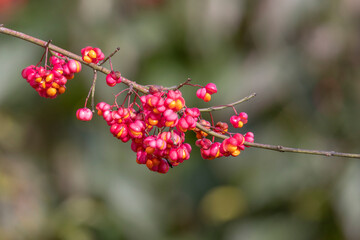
[(279, 148), (93, 92), (108, 57), (183, 84), (177, 86), (210, 109), (47, 51), (44, 54), (88, 96)]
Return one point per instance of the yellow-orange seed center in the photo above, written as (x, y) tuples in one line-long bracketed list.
[(51, 92), (92, 54)]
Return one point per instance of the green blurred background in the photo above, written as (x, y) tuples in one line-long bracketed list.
[(65, 179)]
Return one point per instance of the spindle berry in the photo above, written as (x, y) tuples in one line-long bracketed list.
[(84, 114), (92, 55)]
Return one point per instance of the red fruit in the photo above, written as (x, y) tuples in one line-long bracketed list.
[(182, 125), (74, 66), (112, 78), (249, 137), (243, 116), (92, 55), (28, 71), (194, 112), (107, 115), (173, 156), (211, 88), (163, 167), (186, 123), (239, 139), (137, 129), (200, 93), (116, 75), (170, 118), (61, 80), (236, 121), (84, 114), (101, 107), (203, 143), (160, 144), (54, 60), (100, 56), (221, 127), (141, 157), (153, 119), (57, 71), (119, 131), (206, 92), (110, 81), (212, 152), (174, 100), (66, 70)]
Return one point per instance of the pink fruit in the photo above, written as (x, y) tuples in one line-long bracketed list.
[(84, 114)]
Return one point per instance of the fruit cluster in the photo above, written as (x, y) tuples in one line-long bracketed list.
[(154, 146), (157, 129), (239, 120), (51, 82), (206, 92), (231, 146), (155, 122)]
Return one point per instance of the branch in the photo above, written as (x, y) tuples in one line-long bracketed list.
[(145, 90), (210, 109), (279, 148)]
